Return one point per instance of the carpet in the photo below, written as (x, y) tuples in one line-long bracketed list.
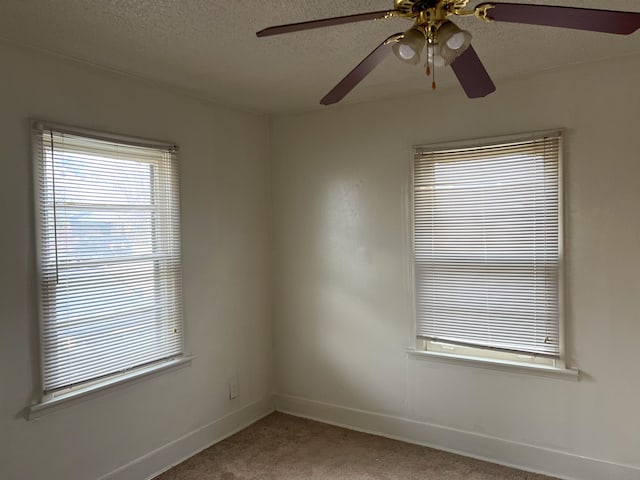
[(283, 447)]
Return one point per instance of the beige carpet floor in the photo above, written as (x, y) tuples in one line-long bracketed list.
[(282, 447)]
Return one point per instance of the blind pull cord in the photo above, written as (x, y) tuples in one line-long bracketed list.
[(55, 213), (547, 337)]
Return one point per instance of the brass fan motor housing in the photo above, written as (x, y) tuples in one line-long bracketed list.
[(412, 8), (430, 15)]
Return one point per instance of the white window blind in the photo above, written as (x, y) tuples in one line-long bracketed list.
[(486, 245), (109, 255)]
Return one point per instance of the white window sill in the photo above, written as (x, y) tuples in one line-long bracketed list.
[(81, 394), (495, 364)]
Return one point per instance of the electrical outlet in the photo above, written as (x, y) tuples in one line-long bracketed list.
[(233, 387)]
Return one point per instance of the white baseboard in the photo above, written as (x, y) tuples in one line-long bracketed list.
[(492, 449), (157, 461)]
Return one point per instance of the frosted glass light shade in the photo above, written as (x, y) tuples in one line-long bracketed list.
[(452, 42), (408, 48)]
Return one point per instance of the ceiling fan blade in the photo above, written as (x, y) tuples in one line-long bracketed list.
[(607, 21), (325, 22), (472, 75), (364, 68)]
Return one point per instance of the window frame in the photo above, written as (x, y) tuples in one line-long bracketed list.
[(421, 347), (51, 401)]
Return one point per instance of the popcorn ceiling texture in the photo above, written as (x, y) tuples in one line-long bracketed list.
[(208, 47), (283, 447)]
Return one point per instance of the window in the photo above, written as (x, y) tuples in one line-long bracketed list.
[(487, 249), (108, 234)]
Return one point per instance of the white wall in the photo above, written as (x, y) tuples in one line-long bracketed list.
[(342, 291), (226, 231), (343, 305)]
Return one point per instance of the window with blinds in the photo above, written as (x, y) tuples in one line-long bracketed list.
[(487, 246), (108, 233)]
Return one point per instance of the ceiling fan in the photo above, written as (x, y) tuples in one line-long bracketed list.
[(448, 45)]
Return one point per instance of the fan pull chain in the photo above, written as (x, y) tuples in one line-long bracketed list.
[(433, 60), (428, 64)]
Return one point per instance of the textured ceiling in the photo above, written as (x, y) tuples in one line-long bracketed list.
[(209, 47)]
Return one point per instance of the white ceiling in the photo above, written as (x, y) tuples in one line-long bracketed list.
[(209, 47)]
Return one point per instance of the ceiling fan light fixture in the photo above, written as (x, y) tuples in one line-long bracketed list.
[(448, 43), (452, 41), (409, 46)]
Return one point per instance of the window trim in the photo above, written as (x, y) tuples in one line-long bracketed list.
[(48, 402), (101, 135), (74, 396), (493, 364), (417, 350)]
